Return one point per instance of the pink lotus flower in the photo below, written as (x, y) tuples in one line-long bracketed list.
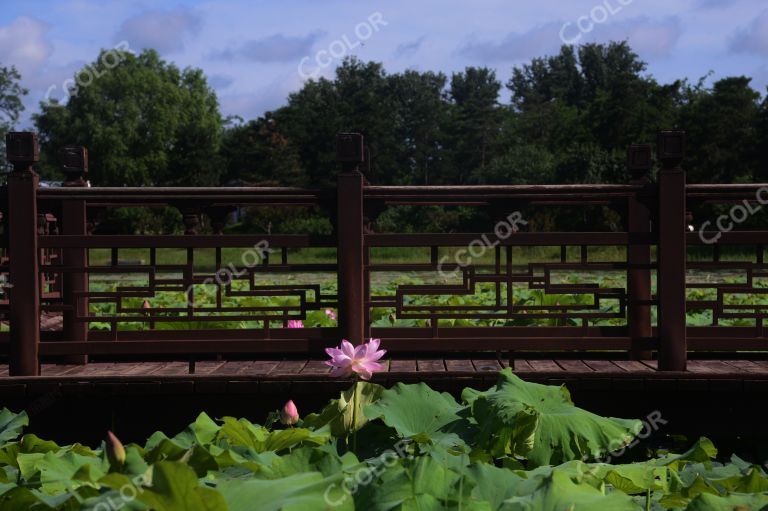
[(362, 360), (295, 323), (330, 314), (289, 415)]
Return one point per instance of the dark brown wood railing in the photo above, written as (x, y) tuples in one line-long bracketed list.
[(48, 265)]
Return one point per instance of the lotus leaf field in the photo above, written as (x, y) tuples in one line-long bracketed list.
[(517, 446)]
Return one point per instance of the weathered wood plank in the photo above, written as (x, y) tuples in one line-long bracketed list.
[(208, 366), (711, 366), (316, 367), (574, 366), (632, 366), (463, 365), (747, 366), (402, 366), (522, 365), (430, 365), (487, 365), (546, 366), (290, 366), (603, 366)]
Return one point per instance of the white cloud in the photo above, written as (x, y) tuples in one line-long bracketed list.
[(162, 30), (754, 38), (516, 46), (275, 48), (23, 44), (649, 38)]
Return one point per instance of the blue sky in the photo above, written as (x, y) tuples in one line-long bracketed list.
[(256, 52)]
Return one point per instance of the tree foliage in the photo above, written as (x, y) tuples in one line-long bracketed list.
[(11, 93), (144, 122)]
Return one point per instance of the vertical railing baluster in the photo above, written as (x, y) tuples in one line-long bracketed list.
[(672, 251), (349, 227), (24, 313), (74, 160), (639, 163)]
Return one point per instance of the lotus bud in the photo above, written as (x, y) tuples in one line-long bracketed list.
[(146, 305), (115, 450), (289, 415)]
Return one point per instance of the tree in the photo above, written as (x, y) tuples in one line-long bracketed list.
[(594, 94), (475, 121), (723, 132), (144, 122), (259, 154), (11, 106)]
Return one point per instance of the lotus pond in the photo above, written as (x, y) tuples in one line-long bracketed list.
[(516, 446)]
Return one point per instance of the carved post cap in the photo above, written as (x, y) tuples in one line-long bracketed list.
[(670, 147), (639, 159), (74, 163), (21, 149), (350, 148)]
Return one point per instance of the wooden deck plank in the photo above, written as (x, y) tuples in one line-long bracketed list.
[(747, 366), (462, 365), (574, 366), (487, 365), (290, 366), (402, 366), (711, 366), (633, 366), (430, 365), (316, 367), (545, 366), (523, 365), (208, 366), (173, 368), (232, 367), (603, 366), (262, 367), (93, 369), (651, 364), (52, 369)]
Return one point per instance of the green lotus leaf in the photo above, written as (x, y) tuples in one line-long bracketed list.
[(299, 492), (418, 412), (541, 423), (734, 502), (11, 425), (558, 492), (175, 486)]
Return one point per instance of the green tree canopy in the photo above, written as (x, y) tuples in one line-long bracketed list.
[(11, 106), (144, 122)]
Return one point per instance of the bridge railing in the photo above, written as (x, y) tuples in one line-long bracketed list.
[(504, 288)]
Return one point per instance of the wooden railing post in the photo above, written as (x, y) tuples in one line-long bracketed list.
[(74, 161), (24, 292), (349, 230), (639, 163), (671, 252)]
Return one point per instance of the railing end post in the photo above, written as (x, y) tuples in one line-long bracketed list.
[(350, 150), (74, 163), (670, 148)]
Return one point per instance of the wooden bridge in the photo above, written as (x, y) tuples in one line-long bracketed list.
[(632, 335)]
